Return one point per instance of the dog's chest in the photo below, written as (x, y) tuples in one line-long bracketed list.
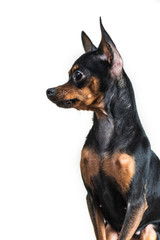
[(119, 166)]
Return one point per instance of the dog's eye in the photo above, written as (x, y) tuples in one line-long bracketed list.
[(77, 76)]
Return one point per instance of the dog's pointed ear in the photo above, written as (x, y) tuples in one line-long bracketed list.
[(87, 43), (108, 52)]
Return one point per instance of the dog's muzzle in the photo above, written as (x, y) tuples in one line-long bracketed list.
[(53, 96)]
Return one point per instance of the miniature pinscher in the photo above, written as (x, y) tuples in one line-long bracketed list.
[(120, 171)]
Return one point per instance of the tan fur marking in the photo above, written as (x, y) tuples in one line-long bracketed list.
[(132, 224), (101, 227), (89, 164), (89, 97), (110, 233), (121, 167), (97, 219), (91, 90), (69, 72), (148, 233), (75, 67)]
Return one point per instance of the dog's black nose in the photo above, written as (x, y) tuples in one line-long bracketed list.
[(50, 92)]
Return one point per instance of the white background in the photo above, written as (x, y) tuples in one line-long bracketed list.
[(41, 192)]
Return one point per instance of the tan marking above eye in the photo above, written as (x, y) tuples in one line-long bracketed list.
[(121, 167), (75, 67)]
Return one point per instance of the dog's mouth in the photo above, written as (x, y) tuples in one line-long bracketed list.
[(66, 103), (56, 98)]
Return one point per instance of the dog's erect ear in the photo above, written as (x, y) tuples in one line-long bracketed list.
[(109, 53), (87, 43)]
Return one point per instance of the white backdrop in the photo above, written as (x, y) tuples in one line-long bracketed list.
[(41, 192)]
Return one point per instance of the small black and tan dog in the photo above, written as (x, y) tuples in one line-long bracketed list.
[(120, 171)]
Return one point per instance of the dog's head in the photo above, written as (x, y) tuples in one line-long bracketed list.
[(90, 77)]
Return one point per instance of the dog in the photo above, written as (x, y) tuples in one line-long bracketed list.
[(120, 171)]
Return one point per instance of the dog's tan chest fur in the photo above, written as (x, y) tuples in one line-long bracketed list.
[(118, 166), (121, 167), (90, 165)]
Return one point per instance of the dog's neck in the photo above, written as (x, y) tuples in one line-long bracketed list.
[(121, 119)]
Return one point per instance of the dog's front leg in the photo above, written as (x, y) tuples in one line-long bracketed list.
[(97, 218), (132, 219)]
